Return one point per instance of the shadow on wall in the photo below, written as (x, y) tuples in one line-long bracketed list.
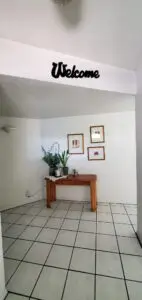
[(70, 13)]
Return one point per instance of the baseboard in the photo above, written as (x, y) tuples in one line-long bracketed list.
[(19, 204), (3, 294)]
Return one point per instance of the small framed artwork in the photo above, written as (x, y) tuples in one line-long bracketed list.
[(97, 134), (96, 153), (76, 143)]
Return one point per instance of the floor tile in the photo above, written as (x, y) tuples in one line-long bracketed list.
[(105, 228), (83, 260), (133, 219), (15, 297), (76, 207), (25, 220), (30, 233), (46, 212), (79, 286), (134, 290), (10, 267), (4, 215), (124, 230), (38, 253), (66, 238), (122, 219), (70, 224), (33, 211), (132, 267), (109, 264), (88, 216), (110, 289), (12, 218), (73, 215), (129, 245), (85, 240), (7, 242), (14, 231), (87, 226), (4, 227), (55, 223), (24, 279), (39, 221), (131, 210), (118, 209), (18, 249), (21, 209), (64, 206), (51, 283), (107, 243), (103, 209), (59, 214), (47, 235), (104, 217), (59, 257)]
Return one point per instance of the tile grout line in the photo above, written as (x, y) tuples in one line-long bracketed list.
[(47, 257), (33, 241), (71, 255), (120, 256)]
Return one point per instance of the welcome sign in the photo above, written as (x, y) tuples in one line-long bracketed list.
[(61, 70)]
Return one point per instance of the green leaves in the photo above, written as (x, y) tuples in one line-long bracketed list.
[(52, 160), (64, 156)]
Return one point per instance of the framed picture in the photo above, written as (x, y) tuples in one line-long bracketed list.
[(76, 143), (96, 153), (97, 134)]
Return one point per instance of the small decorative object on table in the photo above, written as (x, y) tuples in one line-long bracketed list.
[(63, 157), (52, 161), (75, 173)]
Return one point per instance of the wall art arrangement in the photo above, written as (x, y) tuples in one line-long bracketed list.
[(97, 135), (76, 143)]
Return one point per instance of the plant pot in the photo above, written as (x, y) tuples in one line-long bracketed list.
[(65, 171), (51, 171)]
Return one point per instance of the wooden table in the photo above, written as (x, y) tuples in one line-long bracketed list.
[(82, 179)]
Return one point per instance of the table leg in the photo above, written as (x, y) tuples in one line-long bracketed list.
[(93, 195), (48, 193), (53, 191)]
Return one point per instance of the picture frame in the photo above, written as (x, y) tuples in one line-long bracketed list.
[(97, 134), (75, 143), (96, 153)]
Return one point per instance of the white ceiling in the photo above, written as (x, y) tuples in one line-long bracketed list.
[(107, 31), (34, 99)]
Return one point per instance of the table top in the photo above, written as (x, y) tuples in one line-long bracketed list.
[(80, 177)]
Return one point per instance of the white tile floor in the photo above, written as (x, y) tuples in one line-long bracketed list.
[(68, 252)]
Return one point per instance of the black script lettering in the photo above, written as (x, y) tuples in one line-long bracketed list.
[(60, 69), (68, 73), (89, 74), (96, 74), (56, 69), (81, 74), (76, 74)]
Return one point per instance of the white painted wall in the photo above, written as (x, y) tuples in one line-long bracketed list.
[(139, 148), (117, 174), (21, 167), (2, 276), (26, 61)]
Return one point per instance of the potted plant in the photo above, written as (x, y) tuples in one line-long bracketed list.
[(64, 156), (52, 161)]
